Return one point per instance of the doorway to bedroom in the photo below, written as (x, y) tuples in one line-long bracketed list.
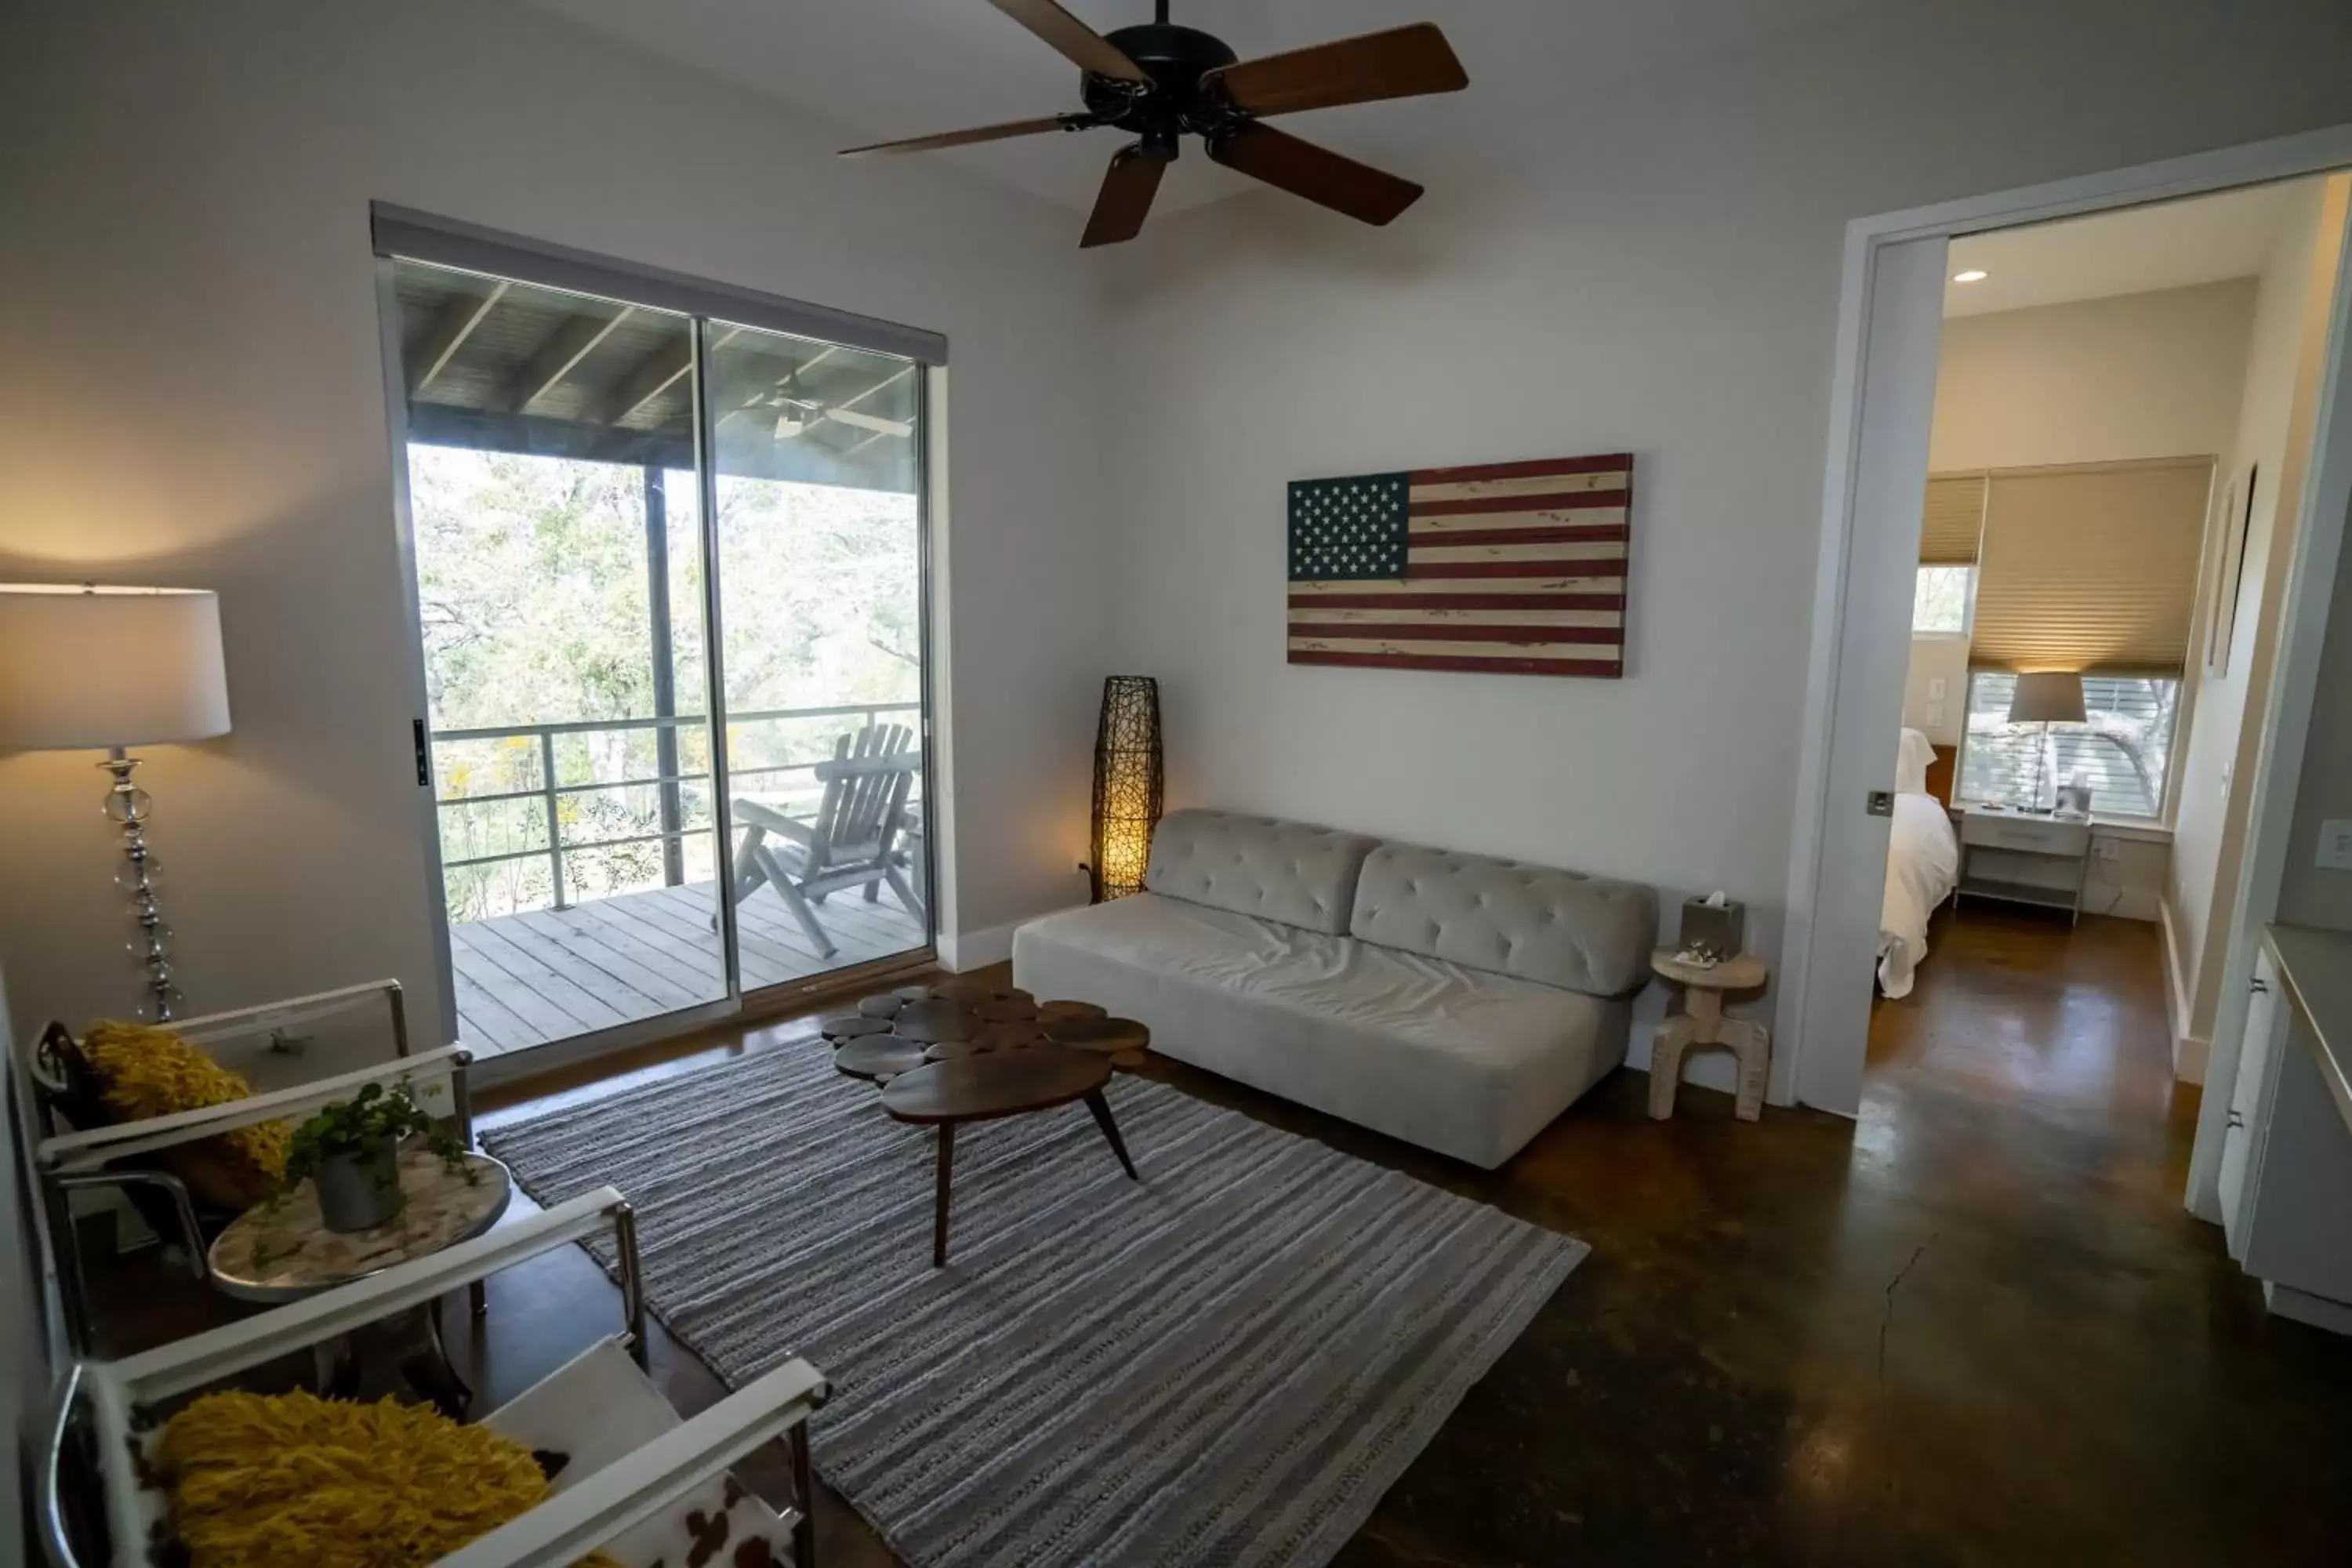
[(2124, 409)]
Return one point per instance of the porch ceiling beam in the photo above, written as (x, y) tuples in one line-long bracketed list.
[(887, 381), (458, 318), (565, 347), (656, 374)]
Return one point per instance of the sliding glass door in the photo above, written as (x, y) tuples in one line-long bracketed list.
[(817, 493), (668, 579)]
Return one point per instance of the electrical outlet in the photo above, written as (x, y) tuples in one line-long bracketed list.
[(2105, 848), (2336, 843), (1936, 714)]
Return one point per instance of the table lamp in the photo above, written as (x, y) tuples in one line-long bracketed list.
[(2050, 697), (84, 667)]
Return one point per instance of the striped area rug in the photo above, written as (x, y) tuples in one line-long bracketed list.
[(1226, 1364)]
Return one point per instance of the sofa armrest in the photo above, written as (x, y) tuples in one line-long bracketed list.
[(191, 1364), (88, 1150), (269, 1015)]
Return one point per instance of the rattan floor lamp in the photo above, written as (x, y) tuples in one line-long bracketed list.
[(1127, 784)]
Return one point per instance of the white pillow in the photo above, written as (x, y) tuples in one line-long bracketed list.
[(1911, 763)]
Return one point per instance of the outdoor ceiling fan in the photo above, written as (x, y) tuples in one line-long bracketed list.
[(1163, 81), (797, 411)]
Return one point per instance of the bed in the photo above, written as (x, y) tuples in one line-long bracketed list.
[(1923, 863)]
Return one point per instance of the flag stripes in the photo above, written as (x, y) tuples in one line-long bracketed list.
[(1505, 567)]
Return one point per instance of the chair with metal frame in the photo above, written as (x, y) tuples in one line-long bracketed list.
[(79, 1151), (110, 1415)]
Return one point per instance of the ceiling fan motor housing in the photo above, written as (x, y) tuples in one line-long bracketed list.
[(1175, 59)]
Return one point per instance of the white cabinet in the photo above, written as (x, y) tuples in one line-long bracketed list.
[(2265, 1019), (2286, 1158)]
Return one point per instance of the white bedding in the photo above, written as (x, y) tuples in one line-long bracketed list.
[(1923, 861)]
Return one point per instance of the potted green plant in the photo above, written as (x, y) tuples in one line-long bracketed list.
[(351, 1151)]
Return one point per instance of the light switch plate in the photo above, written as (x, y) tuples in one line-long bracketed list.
[(1935, 690), (2336, 843)]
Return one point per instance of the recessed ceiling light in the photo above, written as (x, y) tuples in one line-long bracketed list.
[(1973, 275)]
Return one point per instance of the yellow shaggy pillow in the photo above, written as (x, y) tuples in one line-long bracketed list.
[(296, 1481), (145, 1071)]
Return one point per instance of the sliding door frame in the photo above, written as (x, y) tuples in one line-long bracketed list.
[(402, 233)]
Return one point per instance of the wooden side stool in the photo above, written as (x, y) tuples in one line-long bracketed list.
[(1702, 1023)]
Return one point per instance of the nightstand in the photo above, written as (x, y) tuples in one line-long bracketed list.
[(2023, 858)]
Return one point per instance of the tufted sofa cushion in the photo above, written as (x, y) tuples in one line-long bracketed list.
[(1561, 928), (1288, 871)]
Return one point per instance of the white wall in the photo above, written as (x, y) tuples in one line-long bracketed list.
[(2096, 381), (2310, 894), (1936, 713), (2274, 429), (1653, 267), (193, 393)]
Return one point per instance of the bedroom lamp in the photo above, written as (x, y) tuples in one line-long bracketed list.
[(84, 667), (2047, 698), (1127, 784)]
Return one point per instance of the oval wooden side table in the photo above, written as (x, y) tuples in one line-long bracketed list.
[(1702, 1023), (283, 1252)]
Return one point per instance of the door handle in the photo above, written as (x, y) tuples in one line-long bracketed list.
[(1881, 802), (2236, 1118), (2260, 986)]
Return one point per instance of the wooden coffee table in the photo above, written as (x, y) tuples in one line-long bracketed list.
[(948, 1093)]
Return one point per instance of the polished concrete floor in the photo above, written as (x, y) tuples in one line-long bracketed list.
[(1973, 1326)]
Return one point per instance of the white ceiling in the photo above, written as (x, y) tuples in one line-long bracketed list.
[(2173, 245), (887, 68)]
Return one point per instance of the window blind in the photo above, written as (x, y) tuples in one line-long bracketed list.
[(1953, 522), (2091, 569)]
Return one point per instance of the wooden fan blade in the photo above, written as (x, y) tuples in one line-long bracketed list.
[(873, 422), (1077, 42), (1403, 62), (1125, 198), (979, 133), (1318, 174)]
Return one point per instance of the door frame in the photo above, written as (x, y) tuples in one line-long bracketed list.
[(1824, 1026)]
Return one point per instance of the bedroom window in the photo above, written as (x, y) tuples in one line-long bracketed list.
[(1945, 600), (2123, 750)]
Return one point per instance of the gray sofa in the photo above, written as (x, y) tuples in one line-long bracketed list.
[(1453, 1001)]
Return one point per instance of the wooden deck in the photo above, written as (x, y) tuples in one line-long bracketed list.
[(526, 979)]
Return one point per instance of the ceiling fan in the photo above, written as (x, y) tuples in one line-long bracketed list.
[(797, 412), (1161, 82)]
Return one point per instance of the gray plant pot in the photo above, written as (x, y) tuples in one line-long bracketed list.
[(360, 1191)]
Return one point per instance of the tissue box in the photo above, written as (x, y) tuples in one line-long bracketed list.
[(1716, 928)]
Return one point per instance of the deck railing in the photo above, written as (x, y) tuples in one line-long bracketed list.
[(673, 830)]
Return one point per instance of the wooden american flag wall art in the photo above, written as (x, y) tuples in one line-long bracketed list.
[(1506, 568)]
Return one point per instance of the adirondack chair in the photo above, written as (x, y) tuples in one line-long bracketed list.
[(853, 841)]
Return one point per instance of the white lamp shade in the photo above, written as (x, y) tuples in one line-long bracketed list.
[(2051, 697), (84, 669)]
